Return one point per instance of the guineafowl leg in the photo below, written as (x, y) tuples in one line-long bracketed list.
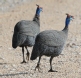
[(38, 63), (27, 57), (23, 55), (51, 70)]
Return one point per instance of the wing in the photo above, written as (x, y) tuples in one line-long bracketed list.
[(28, 27), (52, 38)]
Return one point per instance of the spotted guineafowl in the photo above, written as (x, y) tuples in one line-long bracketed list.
[(25, 33), (50, 43)]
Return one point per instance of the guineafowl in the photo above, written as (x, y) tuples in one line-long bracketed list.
[(25, 33), (50, 43)]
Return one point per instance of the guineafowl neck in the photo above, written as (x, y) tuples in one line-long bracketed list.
[(36, 19), (65, 29)]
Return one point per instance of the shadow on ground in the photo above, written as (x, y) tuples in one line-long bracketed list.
[(14, 74)]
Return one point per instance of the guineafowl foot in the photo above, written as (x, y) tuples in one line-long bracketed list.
[(37, 67), (52, 70), (23, 62)]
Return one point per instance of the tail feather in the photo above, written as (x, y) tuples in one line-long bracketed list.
[(14, 41), (14, 38), (34, 54), (17, 38)]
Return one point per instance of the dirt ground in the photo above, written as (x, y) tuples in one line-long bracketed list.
[(53, 16)]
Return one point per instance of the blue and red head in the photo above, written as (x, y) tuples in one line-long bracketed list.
[(68, 19), (38, 10)]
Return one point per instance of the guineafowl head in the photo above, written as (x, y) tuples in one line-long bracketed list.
[(37, 14), (38, 10), (68, 19)]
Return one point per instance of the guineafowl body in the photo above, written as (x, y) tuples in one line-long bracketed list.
[(50, 43), (25, 33)]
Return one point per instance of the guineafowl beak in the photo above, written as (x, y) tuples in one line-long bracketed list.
[(72, 17)]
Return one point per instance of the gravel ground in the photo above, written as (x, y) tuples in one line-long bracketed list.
[(53, 16)]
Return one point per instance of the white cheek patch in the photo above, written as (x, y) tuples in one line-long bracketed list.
[(71, 18)]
